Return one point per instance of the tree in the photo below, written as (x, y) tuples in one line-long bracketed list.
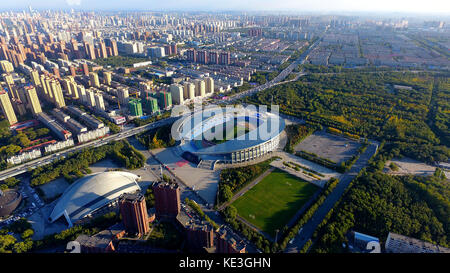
[(6, 242), (230, 212), (226, 193), (27, 234)]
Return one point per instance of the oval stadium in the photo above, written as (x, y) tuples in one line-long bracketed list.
[(91, 193), (231, 136)]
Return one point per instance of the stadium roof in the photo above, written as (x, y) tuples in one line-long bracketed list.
[(237, 144), (91, 193)]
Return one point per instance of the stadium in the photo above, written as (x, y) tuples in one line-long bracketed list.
[(91, 193), (228, 136)]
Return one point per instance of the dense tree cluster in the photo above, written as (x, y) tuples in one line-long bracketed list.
[(9, 243), (368, 105), (9, 183), (377, 204), (157, 138)]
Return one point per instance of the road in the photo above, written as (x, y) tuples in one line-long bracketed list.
[(308, 229), (22, 168)]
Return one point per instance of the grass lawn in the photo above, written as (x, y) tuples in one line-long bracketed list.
[(274, 201)]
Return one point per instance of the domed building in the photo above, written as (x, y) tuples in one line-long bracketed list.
[(91, 193), (9, 201)]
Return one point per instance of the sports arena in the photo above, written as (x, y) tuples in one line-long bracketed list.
[(228, 135)]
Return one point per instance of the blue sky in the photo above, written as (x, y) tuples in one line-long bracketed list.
[(407, 6)]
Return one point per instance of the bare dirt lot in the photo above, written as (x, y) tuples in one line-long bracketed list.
[(410, 166), (335, 148), (54, 188)]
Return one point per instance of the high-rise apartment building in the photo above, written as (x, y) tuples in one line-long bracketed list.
[(32, 98), (135, 107), (6, 66), (200, 88), (7, 108), (176, 90), (189, 91), (99, 103), (107, 77), (134, 213), (93, 78), (164, 99), (167, 199), (209, 85)]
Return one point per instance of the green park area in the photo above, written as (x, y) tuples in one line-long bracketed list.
[(274, 201)]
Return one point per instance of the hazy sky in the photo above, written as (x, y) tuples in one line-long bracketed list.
[(406, 6)]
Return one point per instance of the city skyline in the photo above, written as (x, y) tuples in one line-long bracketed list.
[(322, 6)]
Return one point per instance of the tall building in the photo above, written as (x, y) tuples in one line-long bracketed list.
[(7, 108), (6, 66), (123, 94), (113, 45), (107, 77), (90, 52), (134, 213), (224, 58), (90, 97), (189, 91), (12, 90), (66, 83), (135, 107), (213, 57), (200, 88), (209, 85), (35, 78), (202, 57), (93, 77), (81, 92), (99, 103), (58, 97), (191, 55), (167, 199), (86, 69), (33, 101), (177, 93), (164, 99), (152, 105), (102, 47)]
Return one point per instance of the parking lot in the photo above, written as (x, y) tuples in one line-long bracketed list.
[(335, 148)]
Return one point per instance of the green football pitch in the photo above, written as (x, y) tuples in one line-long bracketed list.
[(274, 200)]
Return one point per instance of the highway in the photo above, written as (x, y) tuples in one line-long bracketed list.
[(22, 168)]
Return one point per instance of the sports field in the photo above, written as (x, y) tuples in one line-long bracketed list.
[(274, 201)]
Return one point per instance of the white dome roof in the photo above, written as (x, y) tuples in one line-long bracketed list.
[(93, 192)]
